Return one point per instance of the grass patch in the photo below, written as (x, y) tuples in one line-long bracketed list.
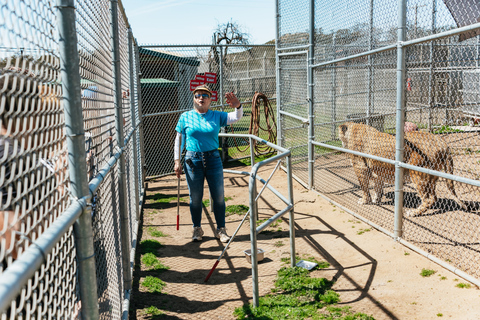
[(206, 203), (297, 296), (236, 209), (279, 244), (463, 285), (153, 312), (427, 272), (164, 198), (155, 233), (153, 284), (150, 246), (445, 129), (362, 231), (151, 261), (273, 225)]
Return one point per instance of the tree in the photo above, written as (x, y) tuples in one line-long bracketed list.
[(225, 34)]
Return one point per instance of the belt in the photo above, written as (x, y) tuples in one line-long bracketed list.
[(203, 153)]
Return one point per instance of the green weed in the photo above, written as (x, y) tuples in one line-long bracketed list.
[(463, 285), (164, 198), (150, 246), (153, 284), (445, 129), (427, 272), (439, 314), (278, 244), (206, 203), (362, 231), (151, 261), (297, 296), (236, 209), (156, 233), (153, 311)]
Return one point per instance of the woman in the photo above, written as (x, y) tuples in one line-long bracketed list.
[(200, 127)]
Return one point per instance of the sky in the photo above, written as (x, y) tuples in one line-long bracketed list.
[(193, 21)]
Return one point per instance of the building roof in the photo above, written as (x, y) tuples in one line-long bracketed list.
[(170, 56), (159, 83)]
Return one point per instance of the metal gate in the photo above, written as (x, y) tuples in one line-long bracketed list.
[(169, 73), (387, 67)]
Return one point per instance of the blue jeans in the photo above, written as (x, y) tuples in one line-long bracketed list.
[(205, 165)]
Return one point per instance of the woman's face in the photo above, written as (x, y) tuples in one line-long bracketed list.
[(202, 99)]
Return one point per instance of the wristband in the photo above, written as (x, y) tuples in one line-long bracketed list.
[(239, 106)]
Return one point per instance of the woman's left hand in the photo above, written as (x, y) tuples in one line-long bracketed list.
[(232, 99)]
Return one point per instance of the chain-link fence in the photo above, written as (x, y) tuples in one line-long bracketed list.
[(168, 76), (70, 159), (379, 104)]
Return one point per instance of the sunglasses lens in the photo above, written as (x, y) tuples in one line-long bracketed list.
[(205, 95)]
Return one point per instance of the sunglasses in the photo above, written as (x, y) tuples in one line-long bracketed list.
[(205, 95)]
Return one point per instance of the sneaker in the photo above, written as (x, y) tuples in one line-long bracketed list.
[(197, 234), (222, 234)]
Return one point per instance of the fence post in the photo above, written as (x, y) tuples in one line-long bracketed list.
[(370, 104), (131, 59), (77, 164), (334, 85), (399, 146), (140, 115), (311, 115), (277, 78), (122, 194), (431, 74), (253, 236)]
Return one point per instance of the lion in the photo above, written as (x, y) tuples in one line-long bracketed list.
[(422, 149)]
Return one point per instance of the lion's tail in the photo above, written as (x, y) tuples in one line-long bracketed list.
[(449, 169)]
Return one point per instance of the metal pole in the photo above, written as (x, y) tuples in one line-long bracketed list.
[(334, 85), (310, 98), (292, 211), (277, 78), (431, 81), (220, 98), (122, 183), (399, 171), (370, 69), (253, 236), (140, 114), (77, 164), (131, 59)]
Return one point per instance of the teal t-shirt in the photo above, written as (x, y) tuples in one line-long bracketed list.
[(201, 130)]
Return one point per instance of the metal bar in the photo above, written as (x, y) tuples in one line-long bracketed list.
[(370, 104), (272, 219), (296, 53), (305, 121), (139, 111), (431, 80), (268, 143), (292, 212), (307, 46), (277, 73), (77, 165), (122, 184), (441, 35), (203, 45), (252, 188), (439, 174), (134, 122), (311, 95), (400, 119), (355, 56), (17, 275)]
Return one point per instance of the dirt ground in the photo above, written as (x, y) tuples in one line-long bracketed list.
[(374, 274)]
